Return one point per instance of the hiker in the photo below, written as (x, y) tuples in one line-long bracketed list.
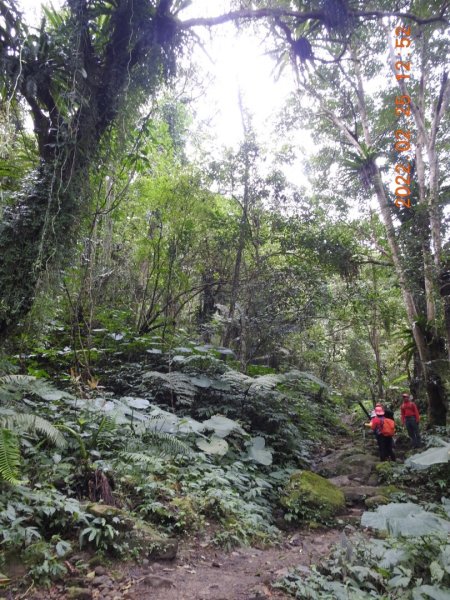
[(384, 429), (410, 418), (389, 427), (373, 414)]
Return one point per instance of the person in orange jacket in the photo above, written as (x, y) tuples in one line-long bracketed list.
[(410, 417), (384, 429)]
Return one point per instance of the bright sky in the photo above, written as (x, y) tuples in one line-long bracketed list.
[(235, 63)]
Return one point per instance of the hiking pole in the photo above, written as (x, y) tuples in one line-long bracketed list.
[(368, 416), (364, 408)]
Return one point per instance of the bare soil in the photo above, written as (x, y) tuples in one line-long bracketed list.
[(202, 573)]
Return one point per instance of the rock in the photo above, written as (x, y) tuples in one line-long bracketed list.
[(376, 501), (100, 570), (77, 581), (96, 560), (101, 580), (340, 480), (356, 494), (311, 497), (373, 480), (153, 544), (103, 510), (158, 582), (108, 512), (390, 490), (78, 593), (356, 466)]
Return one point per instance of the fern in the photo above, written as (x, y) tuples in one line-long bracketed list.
[(23, 421), (266, 383), (167, 443), (14, 387), (175, 382), (9, 456)]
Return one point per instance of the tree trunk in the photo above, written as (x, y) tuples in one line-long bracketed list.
[(37, 232)]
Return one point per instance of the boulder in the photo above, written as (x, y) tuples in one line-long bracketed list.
[(139, 535), (356, 466), (375, 501), (311, 497), (153, 544)]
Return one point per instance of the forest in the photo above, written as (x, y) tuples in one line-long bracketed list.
[(201, 303)]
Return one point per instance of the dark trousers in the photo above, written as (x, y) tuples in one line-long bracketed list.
[(412, 428), (386, 447)]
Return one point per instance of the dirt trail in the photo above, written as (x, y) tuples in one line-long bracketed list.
[(244, 574)]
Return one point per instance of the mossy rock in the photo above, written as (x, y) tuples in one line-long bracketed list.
[(152, 543), (390, 490), (123, 521), (375, 501), (384, 471), (79, 593), (138, 534), (311, 497)]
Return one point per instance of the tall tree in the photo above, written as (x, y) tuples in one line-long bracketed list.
[(78, 73), (340, 91)]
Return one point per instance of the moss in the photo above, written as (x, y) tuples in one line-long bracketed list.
[(390, 490), (384, 472), (376, 501), (310, 497)]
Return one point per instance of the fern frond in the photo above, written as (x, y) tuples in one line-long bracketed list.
[(177, 383), (17, 380), (9, 456), (167, 443), (38, 424), (12, 387), (138, 458), (28, 422)]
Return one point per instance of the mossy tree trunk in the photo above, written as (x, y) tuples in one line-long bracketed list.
[(76, 80)]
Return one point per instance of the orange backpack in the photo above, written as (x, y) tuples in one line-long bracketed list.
[(388, 428)]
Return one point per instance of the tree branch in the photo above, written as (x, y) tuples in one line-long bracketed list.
[(262, 13), (301, 17)]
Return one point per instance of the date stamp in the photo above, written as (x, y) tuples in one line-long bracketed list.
[(402, 137)]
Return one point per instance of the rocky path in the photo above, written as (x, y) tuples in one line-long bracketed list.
[(201, 572)]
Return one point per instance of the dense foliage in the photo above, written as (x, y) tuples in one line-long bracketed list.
[(182, 328)]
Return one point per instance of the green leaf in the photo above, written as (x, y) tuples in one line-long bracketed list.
[(432, 456), (222, 426), (215, 445), (408, 520), (437, 572), (425, 592), (258, 452), (62, 548)]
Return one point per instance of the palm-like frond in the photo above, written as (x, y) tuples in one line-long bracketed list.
[(9, 456)]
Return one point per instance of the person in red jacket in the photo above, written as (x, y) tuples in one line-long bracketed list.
[(410, 418)]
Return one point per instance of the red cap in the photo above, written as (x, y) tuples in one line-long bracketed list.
[(405, 395)]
